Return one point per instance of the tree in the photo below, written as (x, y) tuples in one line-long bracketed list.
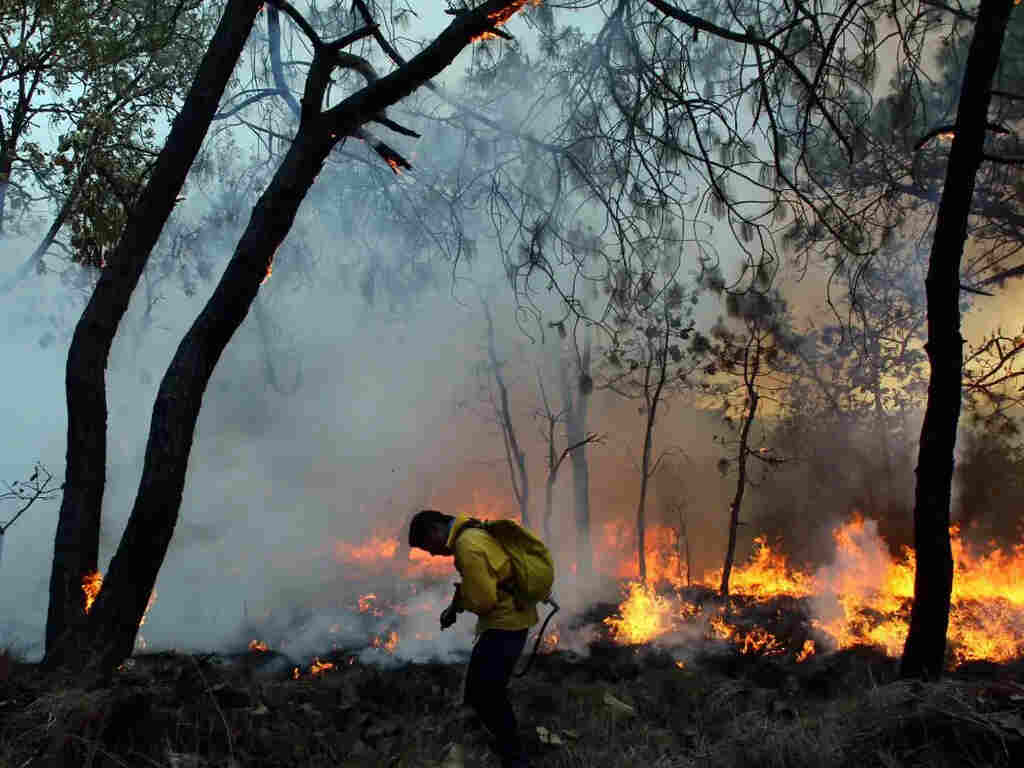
[(647, 363), (924, 653), (751, 356), (76, 544), (514, 454), (100, 74), (552, 420), (576, 400), (108, 635)]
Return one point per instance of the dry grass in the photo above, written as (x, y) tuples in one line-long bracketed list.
[(173, 711)]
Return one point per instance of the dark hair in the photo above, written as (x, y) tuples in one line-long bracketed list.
[(421, 524)]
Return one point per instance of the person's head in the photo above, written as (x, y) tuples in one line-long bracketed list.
[(429, 530)]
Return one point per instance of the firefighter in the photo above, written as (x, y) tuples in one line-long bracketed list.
[(505, 614)]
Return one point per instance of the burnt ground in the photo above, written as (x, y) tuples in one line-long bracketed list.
[(618, 707)]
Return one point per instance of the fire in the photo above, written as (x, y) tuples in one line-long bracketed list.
[(502, 15), (806, 652), (91, 587), (376, 549), (643, 616), (863, 598), (767, 574), (365, 604), (388, 644), (258, 645), (395, 165), (319, 667)]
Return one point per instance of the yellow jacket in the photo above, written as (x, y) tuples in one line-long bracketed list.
[(483, 564)]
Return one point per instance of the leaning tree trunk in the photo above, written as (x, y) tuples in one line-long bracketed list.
[(113, 621), (76, 545), (750, 371), (925, 649)]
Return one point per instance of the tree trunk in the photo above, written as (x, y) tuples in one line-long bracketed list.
[(6, 166), (513, 453), (750, 378), (115, 616), (925, 649), (76, 544), (645, 464), (576, 430), (549, 492)]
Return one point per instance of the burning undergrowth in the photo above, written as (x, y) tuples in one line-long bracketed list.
[(862, 597)]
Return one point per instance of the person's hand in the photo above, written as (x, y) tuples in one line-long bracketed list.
[(448, 616)]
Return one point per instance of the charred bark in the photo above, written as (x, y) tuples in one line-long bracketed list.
[(925, 649), (750, 373), (76, 544), (113, 621)]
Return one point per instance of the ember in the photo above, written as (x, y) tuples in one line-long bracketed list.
[(319, 667), (389, 644)]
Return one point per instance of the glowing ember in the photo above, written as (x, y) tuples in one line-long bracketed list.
[(258, 645), (549, 644), (91, 587), (806, 652), (296, 674), (395, 165), (319, 667), (389, 644)]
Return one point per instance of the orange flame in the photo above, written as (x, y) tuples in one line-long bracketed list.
[(389, 644), (319, 667), (499, 17), (91, 584), (865, 597), (806, 652), (258, 645)]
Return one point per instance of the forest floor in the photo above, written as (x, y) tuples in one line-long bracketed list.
[(615, 707)]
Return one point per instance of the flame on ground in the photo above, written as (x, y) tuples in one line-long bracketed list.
[(862, 599)]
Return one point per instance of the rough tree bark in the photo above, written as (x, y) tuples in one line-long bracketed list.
[(925, 649), (751, 368), (76, 544), (109, 634)]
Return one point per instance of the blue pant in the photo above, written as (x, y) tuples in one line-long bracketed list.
[(490, 667)]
